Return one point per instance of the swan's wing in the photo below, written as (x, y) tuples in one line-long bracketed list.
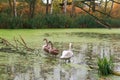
[(64, 52)]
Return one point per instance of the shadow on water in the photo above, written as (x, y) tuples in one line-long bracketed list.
[(83, 64)]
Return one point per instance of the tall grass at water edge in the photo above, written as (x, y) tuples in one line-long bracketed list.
[(105, 66)]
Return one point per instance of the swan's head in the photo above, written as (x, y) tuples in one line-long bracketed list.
[(44, 39), (50, 44)]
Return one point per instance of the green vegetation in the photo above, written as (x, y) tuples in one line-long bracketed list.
[(105, 66), (34, 14), (52, 21)]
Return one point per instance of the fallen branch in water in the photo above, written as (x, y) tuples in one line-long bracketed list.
[(18, 46)]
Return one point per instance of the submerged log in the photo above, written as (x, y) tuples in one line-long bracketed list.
[(117, 73)]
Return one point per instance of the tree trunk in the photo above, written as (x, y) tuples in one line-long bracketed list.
[(111, 7), (105, 5), (93, 5), (47, 6), (65, 6), (51, 8), (10, 4), (14, 8), (32, 8), (73, 8)]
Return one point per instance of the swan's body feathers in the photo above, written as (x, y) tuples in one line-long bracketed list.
[(66, 54)]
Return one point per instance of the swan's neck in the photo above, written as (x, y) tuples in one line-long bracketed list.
[(51, 46), (46, 42), (70, 46)]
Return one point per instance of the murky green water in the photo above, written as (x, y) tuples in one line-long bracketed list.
[(40, 66)]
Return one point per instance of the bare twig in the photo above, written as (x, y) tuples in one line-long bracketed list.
[(23, 40), (16, 42)]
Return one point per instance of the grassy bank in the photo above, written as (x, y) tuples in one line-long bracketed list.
[(12, 32)]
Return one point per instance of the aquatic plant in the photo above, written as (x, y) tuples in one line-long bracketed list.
[(105, 66)]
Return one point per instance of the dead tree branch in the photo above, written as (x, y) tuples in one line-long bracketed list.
[(17, 45)]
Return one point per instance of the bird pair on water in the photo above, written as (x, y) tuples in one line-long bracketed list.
[(48, 47), (66, 54)]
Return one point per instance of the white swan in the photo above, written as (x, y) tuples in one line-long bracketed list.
[(67, 54)]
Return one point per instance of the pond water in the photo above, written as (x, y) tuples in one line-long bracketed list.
[(42, 66)]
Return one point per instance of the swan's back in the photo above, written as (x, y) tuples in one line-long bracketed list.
[(67, 54)]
